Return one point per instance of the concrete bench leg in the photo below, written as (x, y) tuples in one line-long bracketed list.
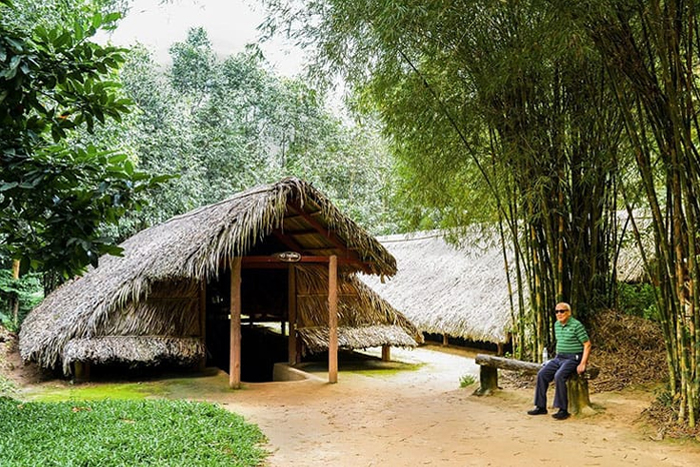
[(488, 380)]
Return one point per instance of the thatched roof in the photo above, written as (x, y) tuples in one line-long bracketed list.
[(364, 318), (444, 289), (462, 290), (191, 249), (630, 263), (134, 350)]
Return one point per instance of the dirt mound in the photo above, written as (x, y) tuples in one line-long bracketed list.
[(628, 350), (12, 370)]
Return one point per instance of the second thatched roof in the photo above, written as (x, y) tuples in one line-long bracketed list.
[(445, 289)]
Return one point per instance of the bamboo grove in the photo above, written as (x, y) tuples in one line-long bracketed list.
[(652, 52), (551, 118)]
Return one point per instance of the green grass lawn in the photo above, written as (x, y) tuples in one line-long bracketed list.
[(125, 433)]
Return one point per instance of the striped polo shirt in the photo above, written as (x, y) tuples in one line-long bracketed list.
[(571, 336)]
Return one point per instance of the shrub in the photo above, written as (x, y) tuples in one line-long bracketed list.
[(27, 289), (637, 300), (466, 380)]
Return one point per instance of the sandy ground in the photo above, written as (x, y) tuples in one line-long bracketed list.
[(422, 417)]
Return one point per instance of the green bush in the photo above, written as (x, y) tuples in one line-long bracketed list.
[(125, 433), (637, 300), (29, 291)]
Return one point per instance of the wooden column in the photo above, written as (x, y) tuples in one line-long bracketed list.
[(292, 313), (203, 321), (234, 374), (386, 353), (445, 339), (333, 319), (81, 371)]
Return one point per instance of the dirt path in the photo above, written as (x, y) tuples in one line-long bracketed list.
[(422, 417)]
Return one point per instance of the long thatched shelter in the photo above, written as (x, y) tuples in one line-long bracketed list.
[(454, 290), (183, 288), (461, 289)]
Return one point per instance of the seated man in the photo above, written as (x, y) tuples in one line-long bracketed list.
[(573, 349)]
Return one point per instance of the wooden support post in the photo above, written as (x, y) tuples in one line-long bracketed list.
[(292, 314), (333, 319), (386, 353), (81, 371), (445, 339), (234, 375), (203, 322)]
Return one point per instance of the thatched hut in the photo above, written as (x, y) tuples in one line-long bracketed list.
[(181, 289), (459, 291)]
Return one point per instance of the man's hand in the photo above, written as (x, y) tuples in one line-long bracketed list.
[(581, 368)]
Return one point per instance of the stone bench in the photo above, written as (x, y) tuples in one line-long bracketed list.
[(576, 386)]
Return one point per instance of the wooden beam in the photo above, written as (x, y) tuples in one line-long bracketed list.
[(271, 259), (333, 238), (271, 262), (333, 320), (292, 313), (234, 374), (288, 242)]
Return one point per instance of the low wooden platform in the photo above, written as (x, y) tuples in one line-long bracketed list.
[(577, 385)]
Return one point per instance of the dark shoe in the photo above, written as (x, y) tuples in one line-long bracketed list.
[(537, 411), (561, 415)]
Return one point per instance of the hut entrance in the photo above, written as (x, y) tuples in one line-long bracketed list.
[(263, 322)]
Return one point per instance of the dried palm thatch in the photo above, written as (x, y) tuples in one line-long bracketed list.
[(630, 262), (364, 319), (461, 290), (151, 290), (146, 350)]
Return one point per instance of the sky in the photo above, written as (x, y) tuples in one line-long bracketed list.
[(231, 24)]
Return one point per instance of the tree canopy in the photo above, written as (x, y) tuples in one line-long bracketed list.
[(55, 194)]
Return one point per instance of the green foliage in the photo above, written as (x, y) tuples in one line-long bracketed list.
[(28, 14), (56, 193), (134, 433), (637, 300), (193, 62), (239, 125), (27, 289), (466, 380), (7, 387)]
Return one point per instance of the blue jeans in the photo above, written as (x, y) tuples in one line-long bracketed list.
[(559, 369)]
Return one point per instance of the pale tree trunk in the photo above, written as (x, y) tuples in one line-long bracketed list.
[(15, 300)]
